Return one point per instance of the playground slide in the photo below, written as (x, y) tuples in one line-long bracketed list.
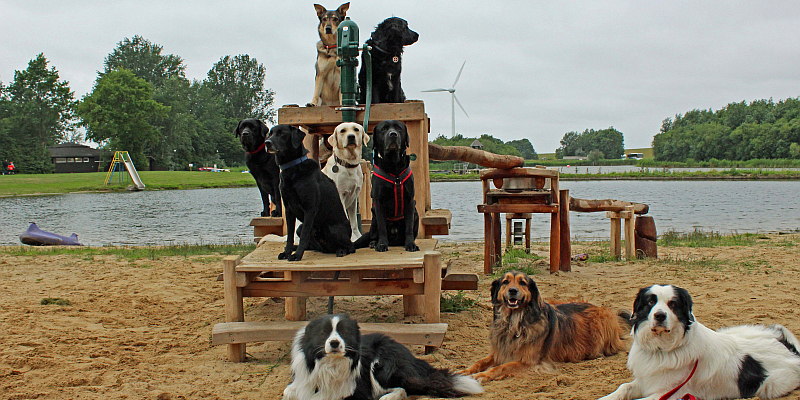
[(134, 174)]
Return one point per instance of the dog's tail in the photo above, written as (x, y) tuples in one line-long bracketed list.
[(363, 241), (626, 317), (444, 383)]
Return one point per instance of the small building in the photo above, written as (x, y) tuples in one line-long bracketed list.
[(74, 157)]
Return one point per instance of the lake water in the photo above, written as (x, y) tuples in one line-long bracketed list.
[(223, 215)]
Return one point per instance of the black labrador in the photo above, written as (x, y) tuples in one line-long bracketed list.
[(387, 58), (395, 221), (252, 133), (309, 196)]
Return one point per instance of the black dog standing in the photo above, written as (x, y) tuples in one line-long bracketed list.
[(308, 196), (252, 133), (395, 221), (387, 58)]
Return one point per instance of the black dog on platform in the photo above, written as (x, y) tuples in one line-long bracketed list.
[(252, 133), (308, 196), (395, 221), (387, 58)]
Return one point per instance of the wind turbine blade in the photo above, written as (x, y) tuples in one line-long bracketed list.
[(436, 90), (459, 104), (459, 73)]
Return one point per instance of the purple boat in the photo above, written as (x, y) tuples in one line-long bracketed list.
[(37, 237)]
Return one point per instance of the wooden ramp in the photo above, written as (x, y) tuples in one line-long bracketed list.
[(248, 332)]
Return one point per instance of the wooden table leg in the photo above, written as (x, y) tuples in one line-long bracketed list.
[(566, 246), (630, 241), (555, 241), (295, 307), (528, 235), (234, 307), (616, 239), (497, 230), (488, 244), (509, 222)]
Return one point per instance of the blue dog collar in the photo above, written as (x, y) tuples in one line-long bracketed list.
[(292, 163)]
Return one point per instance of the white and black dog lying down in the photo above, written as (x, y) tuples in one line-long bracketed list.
[(674, 357), (332, 361)]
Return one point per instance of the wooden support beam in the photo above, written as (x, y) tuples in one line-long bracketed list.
[(234, 308), (584, 205), (630, 235), (517, 208), (325, 288), (247, 332), (616, 233)]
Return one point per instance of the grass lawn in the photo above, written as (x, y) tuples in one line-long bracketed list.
[(22, 184)]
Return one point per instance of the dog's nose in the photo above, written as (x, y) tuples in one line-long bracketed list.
[(660, 316), (513, 291), (393, 134), (328, 29), (334, 344)]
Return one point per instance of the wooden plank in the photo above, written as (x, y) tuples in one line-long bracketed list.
[(433, 286), (460, 281), (243, 278), (324, 288), (266, 221), (616, 240), (315, 117), (439, 216), (495, 173), (248, 332), (517, 208)]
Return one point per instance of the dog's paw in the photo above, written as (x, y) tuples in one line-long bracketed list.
[(275, 213), (412, 247), (342, 252), (295, 257), (283, 256), (381, 247), (265, 214), (482, 377), (310, 105), (372, 244)]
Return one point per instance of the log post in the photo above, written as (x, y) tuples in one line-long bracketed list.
[(616, 233), (630, 249), (646, 237), (566, 246), (474, 156)]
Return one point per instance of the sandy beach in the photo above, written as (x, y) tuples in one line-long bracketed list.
[(141, 328)]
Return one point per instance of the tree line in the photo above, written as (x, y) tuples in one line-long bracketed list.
[(521, 147), (602, 144), (762, 129), (142, 103)]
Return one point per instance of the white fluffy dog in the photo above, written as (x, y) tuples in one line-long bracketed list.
[(344, 168), (673, 356)]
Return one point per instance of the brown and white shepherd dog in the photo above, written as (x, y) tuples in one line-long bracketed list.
[(326, 82), (527, 332)]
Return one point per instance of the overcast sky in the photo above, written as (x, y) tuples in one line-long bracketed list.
[(534, 69)]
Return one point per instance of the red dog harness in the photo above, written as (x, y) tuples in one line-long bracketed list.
[(397, 181)]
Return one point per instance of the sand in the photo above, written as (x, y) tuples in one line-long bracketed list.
[(140, 329)]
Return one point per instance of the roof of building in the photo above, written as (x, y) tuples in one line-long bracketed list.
[(74, 150), (476, 144)]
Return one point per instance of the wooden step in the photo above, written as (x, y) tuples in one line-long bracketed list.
[(247, 332), (456, 281)]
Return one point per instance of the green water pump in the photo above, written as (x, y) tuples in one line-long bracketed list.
[(348, 50)]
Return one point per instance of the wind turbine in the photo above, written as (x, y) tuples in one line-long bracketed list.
[(453, 99)]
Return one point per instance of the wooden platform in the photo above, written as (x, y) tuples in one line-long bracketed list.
[(415, 275)]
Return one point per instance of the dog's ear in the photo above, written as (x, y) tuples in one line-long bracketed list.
[(685, 304), (496, 289), (406, 139), (536, 297), (297, 137), (237, 131), (365, 136), (264, 128), (333, 139), (320, 10), (343, 9)]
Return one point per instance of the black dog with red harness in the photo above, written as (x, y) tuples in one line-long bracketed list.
[(395, 221)]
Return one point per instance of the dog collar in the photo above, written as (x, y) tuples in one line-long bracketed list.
[(292, 163), (397, 181), (333, 46), (258, 149), (344, 163)]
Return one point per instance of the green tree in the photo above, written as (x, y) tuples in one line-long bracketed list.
[(596, 155), (525, 148), (239, 82), (608, 141), (794, 150), (144, 59), (119, 112), (39, 112)]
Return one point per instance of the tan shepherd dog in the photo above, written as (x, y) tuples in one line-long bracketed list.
[(527, 332), (327, 81)]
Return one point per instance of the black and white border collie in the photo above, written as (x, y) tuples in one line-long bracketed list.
[(332, 361), (672, 352)]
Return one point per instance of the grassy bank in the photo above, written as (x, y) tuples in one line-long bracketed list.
[(20, 185)]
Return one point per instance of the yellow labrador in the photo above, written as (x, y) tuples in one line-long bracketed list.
[(344, 168)]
